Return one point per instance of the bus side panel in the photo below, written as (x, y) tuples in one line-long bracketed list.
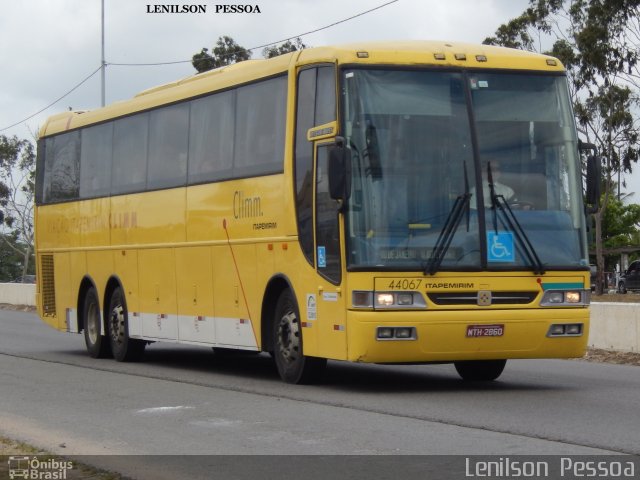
[(64, 298), (100, 267), (94, 223), (234, 293), (158, 303), (196, 322), (304, 282), (147, 219), (125, 263), (58, 226), (77, 271)]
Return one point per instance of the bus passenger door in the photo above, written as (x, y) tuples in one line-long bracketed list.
[(330, 301)]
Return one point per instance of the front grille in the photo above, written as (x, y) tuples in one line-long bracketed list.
[(48, 285), (471, 298)]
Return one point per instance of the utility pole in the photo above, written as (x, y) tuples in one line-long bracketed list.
[(104, 65)]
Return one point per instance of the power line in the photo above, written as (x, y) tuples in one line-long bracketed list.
[(266, 44), (54, 102)]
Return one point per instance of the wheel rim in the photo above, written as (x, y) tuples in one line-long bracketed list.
[(117, 324), (288, 338), (93, 323)]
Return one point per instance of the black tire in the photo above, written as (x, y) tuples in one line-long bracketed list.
[(293, 366), (621, 287), (97, 344), (480, 370), (124, 349)]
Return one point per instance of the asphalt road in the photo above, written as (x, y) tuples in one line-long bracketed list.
[(187, 401)]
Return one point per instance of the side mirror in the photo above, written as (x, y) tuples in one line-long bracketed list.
[(339, 171), (594, 177)]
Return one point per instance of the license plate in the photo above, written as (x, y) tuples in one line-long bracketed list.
[(485, 330)]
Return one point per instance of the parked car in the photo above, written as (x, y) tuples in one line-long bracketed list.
[(630, 279), (594, 275)]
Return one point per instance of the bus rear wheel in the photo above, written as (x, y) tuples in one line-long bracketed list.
[(293, 366), (124, 348), (480, 370), (97, 344)]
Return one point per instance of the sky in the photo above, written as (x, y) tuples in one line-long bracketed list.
[(48, 47)]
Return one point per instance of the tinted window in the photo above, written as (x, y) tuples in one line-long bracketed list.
[(325, 96), (62, 170), (95, 161), (130, 154), (211, 137), (168, 146), (304, 160), (260, 128), (327, 226)]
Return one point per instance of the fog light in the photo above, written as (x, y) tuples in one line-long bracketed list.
[(385, 332), (572, 297), (574, 329), (556, 330), (384, 299), (404, 332), (405, 299)]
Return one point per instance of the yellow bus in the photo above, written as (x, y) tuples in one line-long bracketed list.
[(409, 202)]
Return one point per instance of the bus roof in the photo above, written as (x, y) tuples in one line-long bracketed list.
[(436, 53)]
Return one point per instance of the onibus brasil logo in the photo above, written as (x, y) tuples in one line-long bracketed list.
[(33, 468)]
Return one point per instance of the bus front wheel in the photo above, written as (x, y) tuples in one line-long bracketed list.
[(293, 366), (480, 370), (97, 344), (124, 348)]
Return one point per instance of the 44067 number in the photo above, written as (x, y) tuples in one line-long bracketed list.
[(405, 284)]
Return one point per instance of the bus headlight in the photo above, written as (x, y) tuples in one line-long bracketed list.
[(572, 297), (565, 298), (362, 299), (402, 300), (384, 299), (405, 298)]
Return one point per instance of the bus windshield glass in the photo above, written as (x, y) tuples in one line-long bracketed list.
[(411, 135)]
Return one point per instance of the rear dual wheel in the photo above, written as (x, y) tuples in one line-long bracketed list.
[(124, 348), (97, 344)]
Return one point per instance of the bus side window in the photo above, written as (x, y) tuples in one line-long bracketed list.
[(62, 169), (95, 161)]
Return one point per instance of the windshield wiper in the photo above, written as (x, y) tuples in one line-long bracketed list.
[(460, 206), (498, 202)]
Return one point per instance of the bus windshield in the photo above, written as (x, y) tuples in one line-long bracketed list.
[(422, 143)]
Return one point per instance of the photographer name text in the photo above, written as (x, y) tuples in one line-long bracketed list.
[(203, 8)]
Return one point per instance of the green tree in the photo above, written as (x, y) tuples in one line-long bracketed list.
[(283, 48), (17, 187), (598, 41), (225, 52), (620, 223)]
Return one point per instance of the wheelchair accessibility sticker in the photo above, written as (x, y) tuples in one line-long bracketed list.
[(322, 257), (500, 247)]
